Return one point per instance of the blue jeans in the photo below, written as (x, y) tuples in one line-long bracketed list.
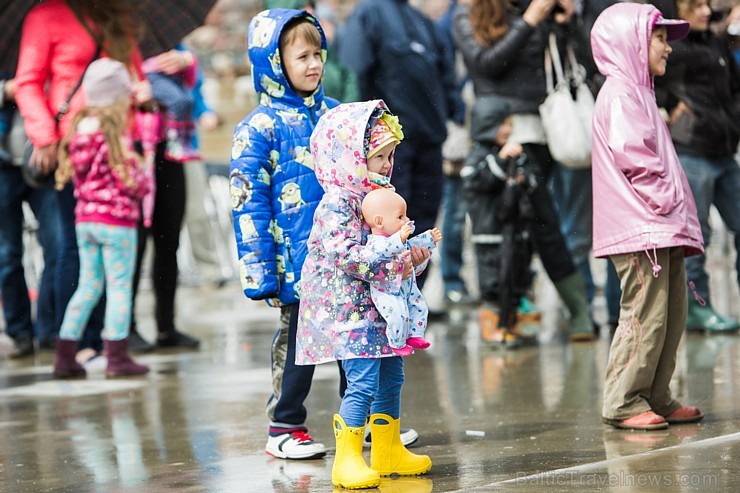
[(13, 289), (713, 181), (418, 178), (373, 386), (107, 260), (68, 269), (573, 196), (453, 223)]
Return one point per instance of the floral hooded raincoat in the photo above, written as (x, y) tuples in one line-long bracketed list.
[(337, 317)]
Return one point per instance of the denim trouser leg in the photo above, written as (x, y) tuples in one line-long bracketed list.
[(418, 177), (43, 205), (712, 182), (13, 288), (68, 262), (453, 223), (573, 197), (613, 293), (373, 386)]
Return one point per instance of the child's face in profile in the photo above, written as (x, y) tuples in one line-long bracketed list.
[(303, 65), (381, 161), (504, 132), (659, 51)]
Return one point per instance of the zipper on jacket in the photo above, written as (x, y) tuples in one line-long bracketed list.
[(289, 274)]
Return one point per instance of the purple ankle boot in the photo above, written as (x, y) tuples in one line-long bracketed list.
[(65, 365), (119, 362)]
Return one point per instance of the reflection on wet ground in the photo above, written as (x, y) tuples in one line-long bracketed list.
[(518, 420)]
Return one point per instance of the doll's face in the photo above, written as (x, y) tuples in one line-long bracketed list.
[(382, 161), (385, 212)]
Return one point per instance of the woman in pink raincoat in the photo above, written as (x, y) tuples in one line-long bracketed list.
[(644, 216)]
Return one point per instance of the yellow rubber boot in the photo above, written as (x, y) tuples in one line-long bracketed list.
[(387, 453), (350, 470)]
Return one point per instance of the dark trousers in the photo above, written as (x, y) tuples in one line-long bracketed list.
[(68, 270), (13, 289), (418, 178), (169, 211)]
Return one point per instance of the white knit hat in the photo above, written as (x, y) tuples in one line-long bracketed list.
[(106, 81)]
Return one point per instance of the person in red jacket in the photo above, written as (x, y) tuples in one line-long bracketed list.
[(59, 39)]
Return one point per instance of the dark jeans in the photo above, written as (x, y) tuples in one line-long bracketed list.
[(296, 380), (417, 176), (453, 225), (68, 270), (13, 288), (713, 181), (169, 211)]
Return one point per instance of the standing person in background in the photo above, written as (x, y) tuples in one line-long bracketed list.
[(98, 155), (454, 151), (504, 49), (60, 39), (644, 216), (701, 92), (166, 220), (399, 56), (13, 288), (274, 193)]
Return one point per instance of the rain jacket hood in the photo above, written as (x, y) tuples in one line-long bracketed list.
[(268, 75), (642, 199), (339, 146)]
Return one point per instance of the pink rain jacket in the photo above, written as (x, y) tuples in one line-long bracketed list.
[(642, 199)]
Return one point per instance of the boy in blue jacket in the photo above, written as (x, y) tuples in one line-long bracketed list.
[(274, 194)]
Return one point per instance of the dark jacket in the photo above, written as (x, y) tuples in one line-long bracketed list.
[(399, 56), (514, 67), (703, 74)]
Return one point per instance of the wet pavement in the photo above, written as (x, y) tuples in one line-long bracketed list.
[(491, 420)]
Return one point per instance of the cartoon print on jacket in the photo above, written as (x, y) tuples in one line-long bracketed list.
[(337, 318), (277, 193)]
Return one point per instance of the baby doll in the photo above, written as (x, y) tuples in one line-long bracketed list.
[(406, 312)]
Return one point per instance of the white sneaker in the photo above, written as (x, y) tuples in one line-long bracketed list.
[(296, 445), (408, 436)]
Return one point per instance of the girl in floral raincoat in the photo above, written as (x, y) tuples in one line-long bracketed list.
[(337, 319)]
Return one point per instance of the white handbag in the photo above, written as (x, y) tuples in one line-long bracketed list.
[(567, 121)]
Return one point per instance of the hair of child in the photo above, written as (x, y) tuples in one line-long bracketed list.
[(300, 28), (113, 123)]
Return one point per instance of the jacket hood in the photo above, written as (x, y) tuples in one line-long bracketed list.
[(263, 41), (338, 146), (620, 40), (487, 115)]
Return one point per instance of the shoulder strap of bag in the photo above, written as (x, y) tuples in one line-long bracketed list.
[(577, 71), (64, 107), (555, 55)]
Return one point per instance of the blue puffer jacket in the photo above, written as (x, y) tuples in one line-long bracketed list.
[(274, 191)]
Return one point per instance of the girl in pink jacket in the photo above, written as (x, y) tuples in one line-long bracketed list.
[(97, 154), (645, 218)]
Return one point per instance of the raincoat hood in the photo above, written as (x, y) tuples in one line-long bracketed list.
[(620, 40), (268, 75), (339, 146), (487, 115)]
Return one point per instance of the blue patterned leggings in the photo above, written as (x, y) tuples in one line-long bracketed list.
[(107, 260)]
